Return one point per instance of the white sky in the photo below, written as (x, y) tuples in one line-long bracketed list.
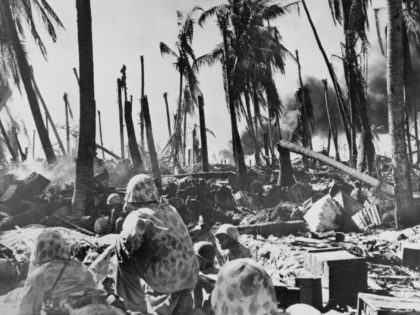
[(125, 29)]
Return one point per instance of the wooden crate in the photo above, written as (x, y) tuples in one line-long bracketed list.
[(343, 275), (371, 304)]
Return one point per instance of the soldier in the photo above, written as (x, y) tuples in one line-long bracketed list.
[(228, 237), (154, 248), (206, 253)]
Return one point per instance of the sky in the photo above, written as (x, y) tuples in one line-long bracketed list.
[(124, 32)]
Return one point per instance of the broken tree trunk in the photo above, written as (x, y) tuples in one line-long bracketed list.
[(203, 130), (66, 108), (100, 133), (151, 143), (286, 171), (121, 118), (132, 142), (369, 180), (141, 112), (165, 96)]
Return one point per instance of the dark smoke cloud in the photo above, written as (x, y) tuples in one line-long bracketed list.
[(376, 99)]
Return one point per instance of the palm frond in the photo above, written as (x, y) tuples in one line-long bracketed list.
[(166, 50)]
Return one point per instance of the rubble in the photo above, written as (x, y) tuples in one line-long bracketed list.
[(280, 225)]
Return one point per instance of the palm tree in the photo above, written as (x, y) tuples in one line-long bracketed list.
[(404, 211), (249, 52), (84, 184), (227, 58), (184, 58), (15, 63), (353, 16)]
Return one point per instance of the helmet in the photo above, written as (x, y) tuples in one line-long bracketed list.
[(101, 226), (244, 287), (113, 199), (205, 251), (229, 230)]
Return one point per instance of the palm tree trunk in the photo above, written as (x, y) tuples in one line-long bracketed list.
[(132, 141), (142, 95), (47, 114), (404, 211), (25, 74), (304, 116), (252, 129), (184, 143), (33, 144), (151, 143), (165, 96), (332, 126), (121, 117), (84, 184), (66, 108), (203, 134), (177, 127), (100, 133), (241, 166), (286, 178), (338, 93)]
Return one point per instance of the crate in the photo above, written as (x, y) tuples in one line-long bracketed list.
[(343, 275), (371, 304), (310, 291), (286, 296), (410, 255)]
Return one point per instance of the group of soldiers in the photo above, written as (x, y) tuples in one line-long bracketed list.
[(156, 266)]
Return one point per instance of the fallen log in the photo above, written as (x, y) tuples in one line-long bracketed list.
[(369, 180), (280, 228)]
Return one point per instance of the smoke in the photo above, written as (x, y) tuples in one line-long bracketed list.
[(291, 111)]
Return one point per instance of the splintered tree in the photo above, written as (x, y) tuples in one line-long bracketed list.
[(84, 184)]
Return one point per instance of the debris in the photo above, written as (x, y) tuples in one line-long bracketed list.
[(244, 199), (367, 217), (31, 186), (323, 215)]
